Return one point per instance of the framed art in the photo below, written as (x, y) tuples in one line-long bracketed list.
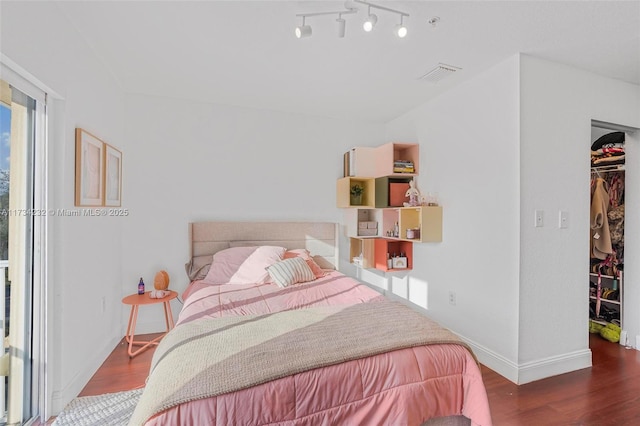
[(112, 177), (89, 169)]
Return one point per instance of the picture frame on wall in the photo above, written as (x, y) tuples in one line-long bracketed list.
[(112, 177), (89, 185)]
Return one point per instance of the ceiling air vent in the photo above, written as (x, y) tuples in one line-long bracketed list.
[(439, 72)]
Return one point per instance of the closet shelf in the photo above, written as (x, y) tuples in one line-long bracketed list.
[(615, 302), (593, 274)]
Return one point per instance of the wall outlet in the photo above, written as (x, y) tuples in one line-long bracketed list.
[(538, 219), (452, 298)]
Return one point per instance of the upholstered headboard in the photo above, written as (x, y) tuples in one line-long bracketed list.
[(207, 238)]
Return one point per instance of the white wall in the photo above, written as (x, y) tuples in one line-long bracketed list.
[(557, 106), (84, 255), (470, 156), (496, 148), (188, 161)]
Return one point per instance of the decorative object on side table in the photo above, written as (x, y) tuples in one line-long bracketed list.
[(161, 284), (356, 194)]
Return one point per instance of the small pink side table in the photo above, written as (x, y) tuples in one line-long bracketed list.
[(135, 300)]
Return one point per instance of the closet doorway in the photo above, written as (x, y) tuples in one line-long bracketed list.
[(607, 225)]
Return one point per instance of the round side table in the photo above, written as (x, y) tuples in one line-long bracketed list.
[(136, 300)]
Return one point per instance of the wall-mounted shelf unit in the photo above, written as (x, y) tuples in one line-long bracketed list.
[(381, 225)]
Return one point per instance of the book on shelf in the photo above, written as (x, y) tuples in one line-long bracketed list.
[(346, 163), (403, 166), (403, 170)]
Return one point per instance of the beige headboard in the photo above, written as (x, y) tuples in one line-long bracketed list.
[(207, 238)]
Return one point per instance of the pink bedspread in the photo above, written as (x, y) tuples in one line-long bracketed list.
[(203, 300), (403, 387)]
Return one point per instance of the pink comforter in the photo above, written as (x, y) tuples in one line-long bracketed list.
[(403, 387)]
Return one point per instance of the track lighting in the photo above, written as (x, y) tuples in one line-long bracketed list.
[(303, 30), (351, 7), (370, 22)]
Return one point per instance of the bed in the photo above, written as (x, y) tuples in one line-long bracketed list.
[(272, 333)]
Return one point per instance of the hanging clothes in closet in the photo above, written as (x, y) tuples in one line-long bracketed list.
[(607, 199), (607, 224)]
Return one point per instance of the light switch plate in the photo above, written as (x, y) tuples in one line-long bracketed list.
[(539, 219), (563, 219)]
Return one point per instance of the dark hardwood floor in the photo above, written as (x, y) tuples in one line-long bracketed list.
[(608, 393)]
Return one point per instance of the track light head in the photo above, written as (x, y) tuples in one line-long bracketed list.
[(401, 31), (303, 31), (370, 22), (342, 24)]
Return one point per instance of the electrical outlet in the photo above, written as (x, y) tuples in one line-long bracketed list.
[(539, 219), (452, 298)]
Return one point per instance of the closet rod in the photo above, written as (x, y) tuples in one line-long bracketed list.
[(606, 169)]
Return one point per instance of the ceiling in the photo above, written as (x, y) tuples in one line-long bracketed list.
[(245, 54)]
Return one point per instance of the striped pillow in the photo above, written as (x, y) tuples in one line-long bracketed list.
[(290, 271)]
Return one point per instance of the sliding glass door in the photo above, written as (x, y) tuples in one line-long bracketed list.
[(17, 213)]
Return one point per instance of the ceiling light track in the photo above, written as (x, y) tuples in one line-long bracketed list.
[(388, 9), (304, 30)]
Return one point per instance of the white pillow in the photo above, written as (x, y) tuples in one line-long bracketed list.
[(291, 271), (243, 265)]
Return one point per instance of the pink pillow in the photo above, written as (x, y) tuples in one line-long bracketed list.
[(243, 265), (304, 253)]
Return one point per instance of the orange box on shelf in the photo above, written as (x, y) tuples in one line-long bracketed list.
[(396, 193)]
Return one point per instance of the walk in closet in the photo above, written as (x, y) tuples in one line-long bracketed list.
[(606, 274)]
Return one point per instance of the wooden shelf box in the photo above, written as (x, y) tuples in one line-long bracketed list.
[(390, 191), (362, 222), (364, 247), (361, 161), (343, 192), (428, 219), (394, 151), (384, 246)]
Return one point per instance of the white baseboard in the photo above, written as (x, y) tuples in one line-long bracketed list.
[(534, 370), (552, 366), (494, 361), (518, 373), (60, 398)]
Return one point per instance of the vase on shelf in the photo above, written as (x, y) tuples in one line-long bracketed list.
[(356, 200)]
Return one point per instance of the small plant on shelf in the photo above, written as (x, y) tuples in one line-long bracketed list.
[(357, 190), (356, 193)]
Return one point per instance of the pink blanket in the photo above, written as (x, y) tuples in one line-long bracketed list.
[(406, 386)]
